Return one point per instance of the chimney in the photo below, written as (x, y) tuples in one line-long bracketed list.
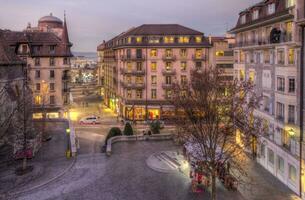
[(210, 39)]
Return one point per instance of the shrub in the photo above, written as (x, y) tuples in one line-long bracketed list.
[(155, 127), (128, 129), (114, 131)]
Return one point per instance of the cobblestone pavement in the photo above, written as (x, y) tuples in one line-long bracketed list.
[(125, 175)]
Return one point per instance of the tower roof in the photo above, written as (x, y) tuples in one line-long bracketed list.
[(50, 18)]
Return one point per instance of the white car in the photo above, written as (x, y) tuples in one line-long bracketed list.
[(90, 120)]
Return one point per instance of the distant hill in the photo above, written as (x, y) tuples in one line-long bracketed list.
[(90, 55)]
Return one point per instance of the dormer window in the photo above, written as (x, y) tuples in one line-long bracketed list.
[(184, 39), (271, 8), (169, 39), (290, 3), (52, 49), (198, 39), (255, 14), (243, 19), (139, 39)]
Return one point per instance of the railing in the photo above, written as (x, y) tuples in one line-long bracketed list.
[(167, 85), (116, 139), (199, 58), (132, 72), (169, 57), (133, 85), (133, 57), (169, 72)]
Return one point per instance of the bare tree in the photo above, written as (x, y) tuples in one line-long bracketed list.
[(209, 109)]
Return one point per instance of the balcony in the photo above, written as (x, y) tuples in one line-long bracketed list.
[(65, 90), (264, 42), (132, 72), (132, 58), (291, 120), (199, 58), (132, 85), (169, 57), (167, 86), (169, 72), (280, 118)]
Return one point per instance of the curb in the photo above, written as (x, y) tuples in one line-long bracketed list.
[(12, 194)]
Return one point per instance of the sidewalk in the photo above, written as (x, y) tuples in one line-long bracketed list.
[(49, 164)]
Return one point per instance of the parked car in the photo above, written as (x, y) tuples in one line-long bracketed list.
[(90, 120)]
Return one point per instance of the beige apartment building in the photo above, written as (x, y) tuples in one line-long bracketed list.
[(46, 50), (270, 53), (140, 66)]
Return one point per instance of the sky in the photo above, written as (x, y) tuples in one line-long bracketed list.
[(92, 21)]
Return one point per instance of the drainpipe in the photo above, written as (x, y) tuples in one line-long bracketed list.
[(301, 106), (146, 85)]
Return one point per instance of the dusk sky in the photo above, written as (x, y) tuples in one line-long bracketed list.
[(92, 21)]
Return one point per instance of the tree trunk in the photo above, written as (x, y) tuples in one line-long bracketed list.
[(213, 190), (24, 163)]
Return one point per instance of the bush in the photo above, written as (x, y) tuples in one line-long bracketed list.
[(128, 129), (155, 127), (115, 131)]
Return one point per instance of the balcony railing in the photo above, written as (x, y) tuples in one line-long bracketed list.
[(169, 57), (132, 72), (280, 118), (132, 85), (169, 72), (167, 86), (199, 58), (133, 57), (291, 120), (259, 42)]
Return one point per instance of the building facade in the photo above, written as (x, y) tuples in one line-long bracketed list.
[(46, 50), (141, 65), (268, 53)]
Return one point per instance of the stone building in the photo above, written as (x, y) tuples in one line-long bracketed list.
[(46, 50), (268, 52)]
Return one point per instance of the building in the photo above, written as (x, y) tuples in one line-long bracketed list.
[(141, 65), (268, 53), (221, 55), (46, 50)]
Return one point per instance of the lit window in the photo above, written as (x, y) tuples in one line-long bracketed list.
[(153, 53), (291, 56), (139, 94), (129, 94), (168, 94), (184, 39), (129, 67), (168, 52), (139, 80), (37, 116), (169, 39), (37, 100), (290, 3), (183, 53), (154, 80), (198, 39), (252, 76), (289, 31), (168, 66), (220, 53), (129, 40), (271, 8), (183, 66), (139, 39), (198, 53), (153, 66), (153, 93)]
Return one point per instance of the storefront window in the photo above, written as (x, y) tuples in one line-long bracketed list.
[(153, 113)]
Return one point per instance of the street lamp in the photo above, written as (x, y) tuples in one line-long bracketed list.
[(291, 132)]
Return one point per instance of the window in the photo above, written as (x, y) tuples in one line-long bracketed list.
[(263, 150), (168, 66), (290, 3), (270, 156), (153, 66), (292, 173), (139, 39), (183, 66), (139, 94), (52, 74), (52, 61), (289, 31), (52, 86), (168, 53), (66, 61), (129, 93), (198, 53), (198, 39), (139, 66), (198, 65), (154, 80), (241, 75), (280, 111), (271, 8), (153, 53), (154, 40), (52, 49), (139, 53), (291, 85), (183, 79), (128, 52), (252, 76), (129, 40), (280, 164), (129, 66), (291, 114), (184, 39), (168, 94), (153, 93), (52, 99), (37, 86), (128, 79), (243, 19), (281, 84), (37, 74), (168, 80), (183, 53), (220, 53), (255, 14), (37, 61), (267, 56), (169, 39), (291, 56), (37, 100), (139, 80)]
